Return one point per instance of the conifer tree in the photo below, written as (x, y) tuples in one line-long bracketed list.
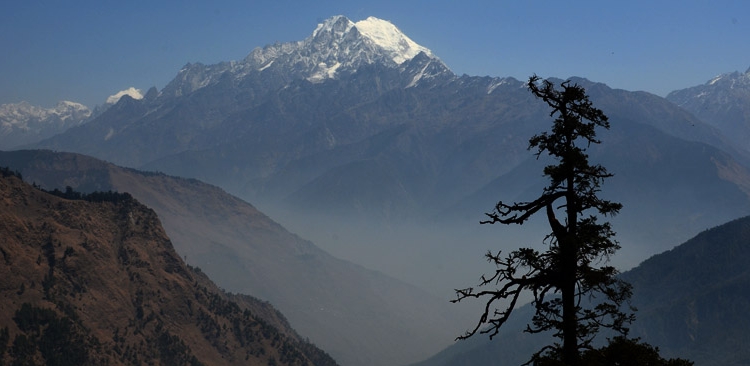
[(575, 292)]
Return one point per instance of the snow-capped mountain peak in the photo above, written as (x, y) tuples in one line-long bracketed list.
[(384, 34), (71, 110), (22, 123), (18, 115), (338, 45), (131, 92)]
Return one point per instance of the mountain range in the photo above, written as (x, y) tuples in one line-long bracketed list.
[(95, 280), (390, 137), (368, 144), (22, 123)]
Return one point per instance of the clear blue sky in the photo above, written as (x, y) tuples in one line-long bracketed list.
[(87, 50)]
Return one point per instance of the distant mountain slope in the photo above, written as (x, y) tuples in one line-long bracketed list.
[(692, 303), (723, 102), (90, 283), (693, 299), (353, 313)]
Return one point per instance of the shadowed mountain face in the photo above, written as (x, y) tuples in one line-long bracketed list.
[(692, 303), (89, 283), (349, 311)]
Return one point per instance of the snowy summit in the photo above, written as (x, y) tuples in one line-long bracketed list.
[(131, 92), (384, 34), (338, 45), (335, 48)]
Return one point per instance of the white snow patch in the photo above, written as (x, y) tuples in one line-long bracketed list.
[(266, 66), (418, 76), (386, 35), (132, 92), (495, 85), (715, 80), (323, 71), (70, 104), (331, 71)]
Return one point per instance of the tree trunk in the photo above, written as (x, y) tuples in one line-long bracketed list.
[(570, 321), (569, 254)]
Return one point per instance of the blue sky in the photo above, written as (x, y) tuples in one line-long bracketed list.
[(87, 50)]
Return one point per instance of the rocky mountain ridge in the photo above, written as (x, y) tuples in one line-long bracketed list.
[(96, 281), (336, 48), (351, 312)]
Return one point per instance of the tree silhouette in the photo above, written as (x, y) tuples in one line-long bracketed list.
[(574, 292)]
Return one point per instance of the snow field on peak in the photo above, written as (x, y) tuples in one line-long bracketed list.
[(70, 104), (381, 34), (715, 80), (132, 92), (384, 34)]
